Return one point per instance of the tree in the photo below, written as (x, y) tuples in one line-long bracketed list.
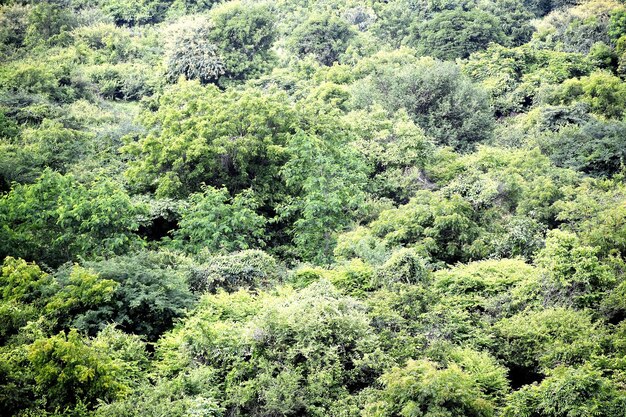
[(25, 291), (58, 219), (216, 222), (13, 27), (515, 19), (243, 33), (597, 147), (543, 7), (190, 53), (537, 341), (486, 287), (188, 7), (24, 282), (595, 212), (578, 28), (131, 13), (196, 135), (68, 370), (440, 99), (50, 145), (445, 228), (575, 274), (456, 34), (326, 178), (603, 92), (150, 291), (513, 77), (50, 24), (304, 353), (245, 269), (324, 36), (395, 149)]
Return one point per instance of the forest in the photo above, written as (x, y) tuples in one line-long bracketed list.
[(313, 208)]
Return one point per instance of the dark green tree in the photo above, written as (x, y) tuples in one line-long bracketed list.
[(456, 34), (324, 36)]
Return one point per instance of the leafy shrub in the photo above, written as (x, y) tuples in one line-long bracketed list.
[(602, 91), (68, 370), (416, 389), (483, 287), (125, 12), (361, 243), (454, 34), (124, 81), (595, 148), (404, 266), (195, 127), (578, 28), (50, 145), (108, 43), (396, 151), (151, 292), (541, 340), (445, 228), (514, 76), (301, 353), (253, 269), (243, 33), (13, 27), (568, 392), (575, 275)]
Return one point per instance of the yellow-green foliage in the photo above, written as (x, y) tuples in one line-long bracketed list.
[(312, 208)]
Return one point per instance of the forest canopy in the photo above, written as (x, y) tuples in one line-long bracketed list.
[(345, 208)]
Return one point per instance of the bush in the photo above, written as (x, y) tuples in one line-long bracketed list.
[(291, 353), (68, 370), (445, 228), (603, 92), (219, 223), (51, 145), (595, 148), (457, 34), (569, 392), (253, 269), (108, 43), (404, 266), (243, 33), (124, 81), (440, 99), (485, 286), (13, 27), (135, 12), (151, 293), (538, 341), (574, 274), (416, 389), (190, 141)]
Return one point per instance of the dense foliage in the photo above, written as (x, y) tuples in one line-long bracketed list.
[(357, 208)]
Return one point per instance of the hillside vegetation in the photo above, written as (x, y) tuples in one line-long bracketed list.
[(313, 208)]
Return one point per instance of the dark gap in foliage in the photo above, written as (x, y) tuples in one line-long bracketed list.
[(159, 228), (520, 376)]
